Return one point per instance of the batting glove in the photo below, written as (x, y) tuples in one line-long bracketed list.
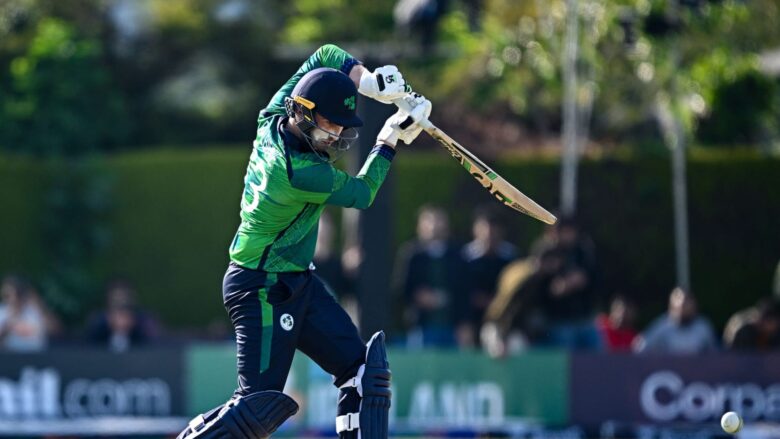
[(385, 84), (405, 125)]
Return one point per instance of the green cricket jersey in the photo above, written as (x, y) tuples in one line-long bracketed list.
[(287, 185)]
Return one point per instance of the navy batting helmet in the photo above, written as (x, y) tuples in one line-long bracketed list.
[(330, 93)]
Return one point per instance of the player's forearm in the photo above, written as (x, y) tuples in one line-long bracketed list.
[(359, 191), (375, 168), (356, 72)]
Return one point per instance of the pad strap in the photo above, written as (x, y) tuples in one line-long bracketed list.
[(348, 422), (197, 423), (356, 381)]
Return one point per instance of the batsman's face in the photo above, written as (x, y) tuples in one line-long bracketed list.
[(325, 133)]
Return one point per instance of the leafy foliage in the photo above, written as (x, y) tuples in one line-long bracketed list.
[(59, 98), (631, 54), (744, 111), (317, 21), (198, 70)]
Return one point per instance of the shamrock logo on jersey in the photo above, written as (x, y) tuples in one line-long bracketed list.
[(286, 321), (350, 102)]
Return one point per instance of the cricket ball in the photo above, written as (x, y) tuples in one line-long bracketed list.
[(731, 422)]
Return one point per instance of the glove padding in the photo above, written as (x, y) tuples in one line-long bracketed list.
[(385, 84), (405, 125)]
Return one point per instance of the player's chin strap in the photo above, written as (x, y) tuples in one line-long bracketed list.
[(364, 400)]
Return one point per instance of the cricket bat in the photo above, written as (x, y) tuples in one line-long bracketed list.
[(489, 179)]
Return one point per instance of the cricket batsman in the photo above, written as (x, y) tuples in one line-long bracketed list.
[(275, 301)]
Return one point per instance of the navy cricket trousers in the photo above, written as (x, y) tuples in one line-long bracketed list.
[(274, 314)]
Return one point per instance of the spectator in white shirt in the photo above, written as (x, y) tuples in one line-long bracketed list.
[(22, 323)]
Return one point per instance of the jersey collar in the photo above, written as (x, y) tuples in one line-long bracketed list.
[(289, 139), (292, 141)]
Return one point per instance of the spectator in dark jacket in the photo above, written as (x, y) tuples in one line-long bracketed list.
[(484, 257), (569, 300), (429, 275), (122, 324), (754, 329)]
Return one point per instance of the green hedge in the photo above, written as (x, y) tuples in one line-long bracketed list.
[(174, 213), (23, 191)]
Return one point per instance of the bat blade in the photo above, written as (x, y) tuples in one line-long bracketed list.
[(501, 189), (489, 179)]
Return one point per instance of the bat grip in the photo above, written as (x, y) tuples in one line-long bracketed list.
[(407, 108)]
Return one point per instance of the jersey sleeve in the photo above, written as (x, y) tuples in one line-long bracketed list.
[(328, 55), (324, 184)]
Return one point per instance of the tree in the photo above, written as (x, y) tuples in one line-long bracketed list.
[(512, 69), (59, 98)]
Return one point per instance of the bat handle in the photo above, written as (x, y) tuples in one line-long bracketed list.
[(402, 104)]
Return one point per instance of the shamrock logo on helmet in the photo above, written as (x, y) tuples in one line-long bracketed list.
[(350, 102)]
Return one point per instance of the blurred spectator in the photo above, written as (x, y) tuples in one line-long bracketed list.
[(681, 330), (569, 299), (52, 322), (337, 271), (484, 257), (617, 327), (756, 328), (547, 240), (219, 330), (327, 260), (429, 275), (515, 318), (421, 18), (351, 261), (122, 324), (510, 323), (22, 323)]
